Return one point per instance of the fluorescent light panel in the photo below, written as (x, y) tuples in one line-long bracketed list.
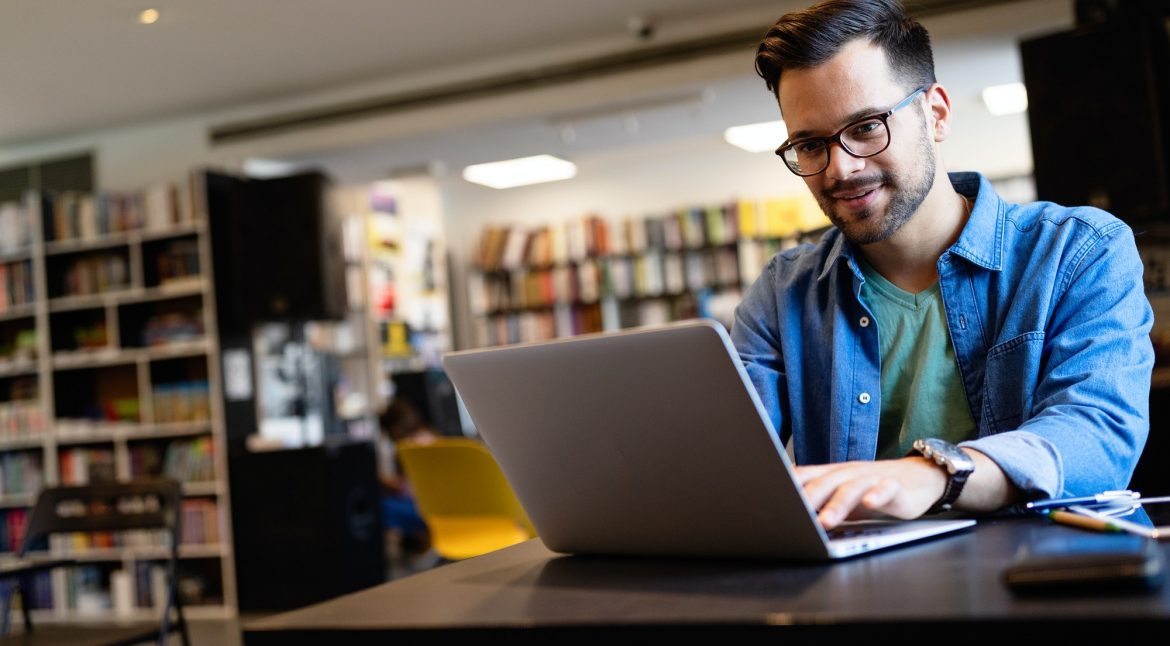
[(520, 172), (757, 137), (1006, 99), (259, 168)]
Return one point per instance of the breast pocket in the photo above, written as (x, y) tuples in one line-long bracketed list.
[(1013, 370)]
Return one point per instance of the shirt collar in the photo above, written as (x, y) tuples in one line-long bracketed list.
[(981, 241), (839, 251)]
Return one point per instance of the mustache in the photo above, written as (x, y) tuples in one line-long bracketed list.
[(856, 184)]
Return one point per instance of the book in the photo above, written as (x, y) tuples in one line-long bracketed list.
[(514, 248), (674, 280), (558, 243)]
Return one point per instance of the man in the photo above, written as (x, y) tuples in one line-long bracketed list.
[(933, 311)]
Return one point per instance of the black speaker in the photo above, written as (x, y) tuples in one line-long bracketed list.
[(277, 249), (1098, 115), (295, 268), (307, 525)]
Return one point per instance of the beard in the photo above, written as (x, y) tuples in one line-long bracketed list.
[(908, 190)]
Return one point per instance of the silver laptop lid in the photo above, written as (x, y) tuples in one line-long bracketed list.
[(648, 441)]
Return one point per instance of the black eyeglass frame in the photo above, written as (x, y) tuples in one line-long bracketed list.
[(836, 137)]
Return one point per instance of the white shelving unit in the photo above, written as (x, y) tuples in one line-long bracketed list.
[(126, 382), (395, 245)]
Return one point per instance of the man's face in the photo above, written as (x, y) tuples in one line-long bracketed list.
[(867, 199)]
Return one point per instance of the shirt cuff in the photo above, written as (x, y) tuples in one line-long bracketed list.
[(1031, 462)]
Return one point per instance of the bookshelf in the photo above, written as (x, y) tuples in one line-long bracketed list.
[(398, 273), (109, 369), (592, 274)]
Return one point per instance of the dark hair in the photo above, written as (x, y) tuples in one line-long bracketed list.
[(400, 419), (811, 36)]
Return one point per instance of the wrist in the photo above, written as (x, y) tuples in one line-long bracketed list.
[(951, 463), (933, 480)]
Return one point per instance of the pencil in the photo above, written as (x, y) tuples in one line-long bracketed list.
[(1119, 523), (1087, 519), (1084, 522)]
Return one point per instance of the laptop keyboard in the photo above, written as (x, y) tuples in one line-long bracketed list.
[(853, 531)]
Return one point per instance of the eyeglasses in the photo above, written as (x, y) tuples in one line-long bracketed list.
[(865, 137)]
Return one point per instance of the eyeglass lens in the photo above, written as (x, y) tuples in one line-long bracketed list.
[(861, 139)]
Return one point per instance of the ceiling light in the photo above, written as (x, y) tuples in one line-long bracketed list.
[(148, 16), (757, 137), (520, 172), (1006, 99), (258, 168)]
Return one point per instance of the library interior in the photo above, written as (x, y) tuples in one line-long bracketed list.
[(238, 243)]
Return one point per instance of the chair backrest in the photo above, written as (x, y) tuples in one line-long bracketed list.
[(113, 507), (452, 476), (108, 506)]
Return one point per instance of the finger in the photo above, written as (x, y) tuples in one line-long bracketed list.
[(808, 472), (844, 500), (820, 489), (881, 494)]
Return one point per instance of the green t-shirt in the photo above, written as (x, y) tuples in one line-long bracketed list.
[(922, 392)]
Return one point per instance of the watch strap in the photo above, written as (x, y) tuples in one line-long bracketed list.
[(955, 484), (944, 455)]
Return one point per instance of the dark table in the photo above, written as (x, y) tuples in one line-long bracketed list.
[(941, 591)]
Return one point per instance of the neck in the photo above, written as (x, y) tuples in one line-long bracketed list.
[(909, 258)]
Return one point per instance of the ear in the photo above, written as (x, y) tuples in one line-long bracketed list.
[(939, 104)]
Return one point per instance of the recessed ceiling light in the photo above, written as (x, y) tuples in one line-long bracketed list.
[(1006, 99), (757, 137), (260, 168), (148, 16), (520, 172)]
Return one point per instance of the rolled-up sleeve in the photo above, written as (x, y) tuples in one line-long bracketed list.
[(1089, 417)]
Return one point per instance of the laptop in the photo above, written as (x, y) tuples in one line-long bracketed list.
[(651, 441)]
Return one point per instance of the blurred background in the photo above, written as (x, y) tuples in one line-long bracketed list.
[(233, 233)]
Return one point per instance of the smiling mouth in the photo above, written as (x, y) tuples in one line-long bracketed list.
[(855, 194)]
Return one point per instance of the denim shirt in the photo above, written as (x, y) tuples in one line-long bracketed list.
[(1050, 325)]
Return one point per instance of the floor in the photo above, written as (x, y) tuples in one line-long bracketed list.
[(226, 632), (214, 632)]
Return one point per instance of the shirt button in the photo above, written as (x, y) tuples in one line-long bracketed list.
[(864, 321), (863, 398)]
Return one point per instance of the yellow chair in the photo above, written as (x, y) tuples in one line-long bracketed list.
[(463, 497)]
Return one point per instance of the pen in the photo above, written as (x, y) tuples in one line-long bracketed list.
[(1122, 496), (1082, 517), (1139, 501)]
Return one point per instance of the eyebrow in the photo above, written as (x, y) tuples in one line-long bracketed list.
[(849, 118)]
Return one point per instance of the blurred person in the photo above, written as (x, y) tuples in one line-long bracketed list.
[(400, 421), (939, 347)]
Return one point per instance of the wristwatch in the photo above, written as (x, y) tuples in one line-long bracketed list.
[(959, 466)]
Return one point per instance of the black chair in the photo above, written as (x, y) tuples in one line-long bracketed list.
[(104, 507)]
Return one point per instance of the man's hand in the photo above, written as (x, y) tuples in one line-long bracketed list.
[(904, 488)]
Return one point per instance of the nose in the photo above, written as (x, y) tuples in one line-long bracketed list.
[(841, 163)]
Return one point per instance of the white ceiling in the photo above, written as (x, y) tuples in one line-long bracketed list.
[(69, 67), (973, 49)]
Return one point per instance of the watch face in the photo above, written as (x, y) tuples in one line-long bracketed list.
[(953, 457)]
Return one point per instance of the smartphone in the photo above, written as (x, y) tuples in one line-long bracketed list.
[(1085, 562)]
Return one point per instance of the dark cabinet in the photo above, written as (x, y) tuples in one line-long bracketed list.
[(307, 524)]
